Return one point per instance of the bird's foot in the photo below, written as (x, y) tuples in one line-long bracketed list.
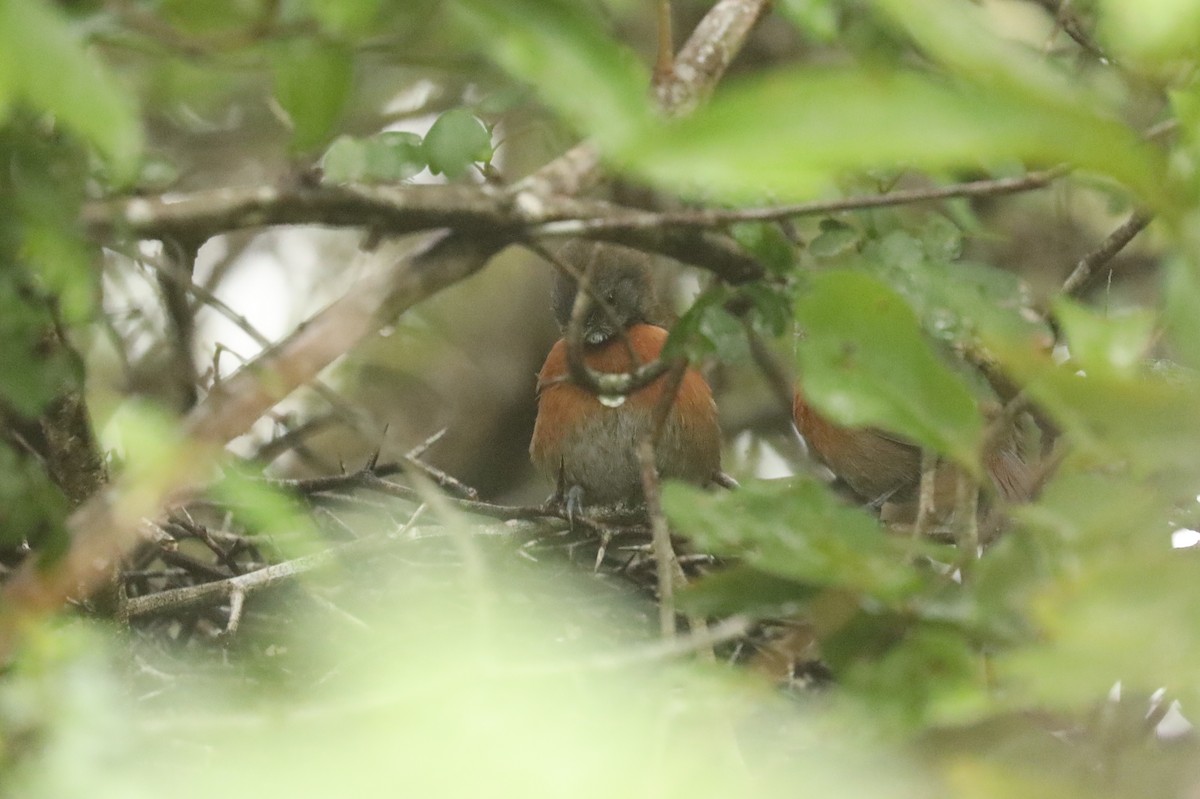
[(573, 504)]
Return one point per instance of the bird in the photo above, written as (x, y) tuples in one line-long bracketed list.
[(879, 468), (587, 444)]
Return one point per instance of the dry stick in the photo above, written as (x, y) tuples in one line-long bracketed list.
[(664, 64), (1080, 279), (926, 497), (180, 313), (966, 511), (666, 565), (238, 587)]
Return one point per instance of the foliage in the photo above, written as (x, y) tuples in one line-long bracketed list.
[(982, 673)]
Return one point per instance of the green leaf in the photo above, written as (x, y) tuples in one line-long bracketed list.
[(312, 84), (394, 155), (836, 238), (768, 244), (1182, 294), (1140, 420), (745, 589), (1155, 31), (562, 48), (45, 63), (455, 142), (345, 161), (797, 532), (957, 301), (1116, 344), (390, 157), (865, 362), (960, 36), (346, 17), (818, 18), (268, 511), (792, 132)]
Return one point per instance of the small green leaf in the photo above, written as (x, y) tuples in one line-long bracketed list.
[(312, 84), (943, 240), (865, 362), (345, 161), (455, 142), (768, 244), (835, 239), (393, 156), (1116, 343)]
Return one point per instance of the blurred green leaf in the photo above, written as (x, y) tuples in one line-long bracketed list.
[(46, 64), (32, 508), (791, 132), (394, 156), (1182, 297), (268, 511), (817, 18), (943, 240), (957, 301), (313, 81), (931, 673), (563, 50), (960, 36), (1115, 343), (836, 238), (346, 17), (767, 241), (212, 17), (455, 142), (1144, 421), (748, 590), (1154, 31), (864, 362), (389, 157), (345, 161), (799, 532)]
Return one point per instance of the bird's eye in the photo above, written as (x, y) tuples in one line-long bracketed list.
[(610, 296)]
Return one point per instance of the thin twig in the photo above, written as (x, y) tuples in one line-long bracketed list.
[(926, 498), (707, 218), (664, 554), (1081, 278)]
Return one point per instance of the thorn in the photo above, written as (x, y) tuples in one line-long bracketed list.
[(605, 538)]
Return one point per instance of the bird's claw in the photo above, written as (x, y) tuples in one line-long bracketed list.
[(573, 504)]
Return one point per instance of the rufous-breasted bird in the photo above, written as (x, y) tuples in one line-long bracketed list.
[(880, 468), (587, 444)]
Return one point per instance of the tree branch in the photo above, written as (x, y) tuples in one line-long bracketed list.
[(1081, 277)]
